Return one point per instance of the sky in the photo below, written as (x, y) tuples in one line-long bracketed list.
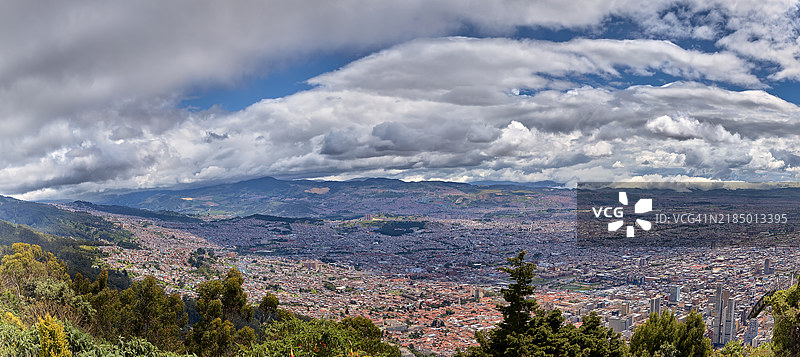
[(104, 95)]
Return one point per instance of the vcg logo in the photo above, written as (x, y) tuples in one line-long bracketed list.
[(643, 205)]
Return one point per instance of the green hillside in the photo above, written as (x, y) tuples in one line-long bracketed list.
[(53, 220), (80, 255)]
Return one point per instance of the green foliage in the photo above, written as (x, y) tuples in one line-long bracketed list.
[(268, 307), (733, 348), (786, 310), (322, 338), (765, 350), (200, 259), (398, 228), (517, 313), (16, 341), (29, 262), (53, 220), (166, 216), (219, 303), (143, 310), (663, 335), (330, 286), (528, 330), (79, 255)]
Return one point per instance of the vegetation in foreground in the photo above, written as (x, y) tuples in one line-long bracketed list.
[(528, 330), (45, 313)]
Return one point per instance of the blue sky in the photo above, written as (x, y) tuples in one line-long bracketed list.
[(152, 94), (291, 78)]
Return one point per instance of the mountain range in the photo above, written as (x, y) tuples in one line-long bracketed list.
[(347, 199)]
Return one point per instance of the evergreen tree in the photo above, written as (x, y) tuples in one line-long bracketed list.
[(527, 330)]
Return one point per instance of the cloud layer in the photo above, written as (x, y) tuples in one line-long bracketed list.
[(89, 102)]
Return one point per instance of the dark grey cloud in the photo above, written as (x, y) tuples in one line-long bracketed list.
[(211, 136)]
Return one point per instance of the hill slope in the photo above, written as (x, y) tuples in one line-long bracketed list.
[(80, 255), (348, 199), (53, 220)]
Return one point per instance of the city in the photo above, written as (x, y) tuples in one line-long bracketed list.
[(435, 299)]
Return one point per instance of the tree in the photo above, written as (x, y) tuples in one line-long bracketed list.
[(148, 312), (268, 306), (663, 335), (323, 338), (52, 339), (219, 303), (786, 310), (29, 262), (517, 314), (143, 310), (527, 330), (233, 297), (733, 348), (691, 340), (648, 338)]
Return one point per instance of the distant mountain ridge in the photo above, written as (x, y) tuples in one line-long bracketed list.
[(343, 199)]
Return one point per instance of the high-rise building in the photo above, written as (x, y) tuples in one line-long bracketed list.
[(477, 293), (724, 317), (729, 322), (624, 309), (641, 261), (743, 312), (751, 332), (768, 269), (655, 305), (674, 293)]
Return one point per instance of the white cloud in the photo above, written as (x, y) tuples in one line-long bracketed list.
[(468, 70), (683, 128), (601, 148), (345, 128), (763, 160), (88, 102), (661, 159)]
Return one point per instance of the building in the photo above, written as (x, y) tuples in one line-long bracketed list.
[(674, 294), (641, 261), (310, 265), (768, 269), (655, 305), (477, 293), (619, 324), (723, 327), (751, 332), (624, 309)]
